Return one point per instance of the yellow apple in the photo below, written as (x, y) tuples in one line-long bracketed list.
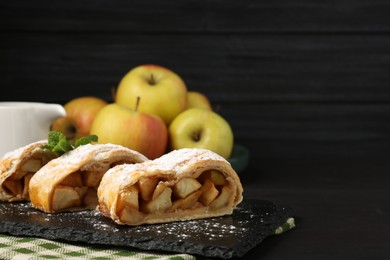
[(80, 112), (198, 99), (201, 128), (162, 91), (142, 132)]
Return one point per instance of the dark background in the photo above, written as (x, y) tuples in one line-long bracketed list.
[(304, 84)]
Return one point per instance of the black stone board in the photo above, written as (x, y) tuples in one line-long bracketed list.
[(222, 237)]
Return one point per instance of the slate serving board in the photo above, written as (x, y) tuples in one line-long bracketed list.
[(222, 237)]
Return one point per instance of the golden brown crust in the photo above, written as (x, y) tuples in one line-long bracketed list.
[(169, 169), (13, 172), (87, 158)]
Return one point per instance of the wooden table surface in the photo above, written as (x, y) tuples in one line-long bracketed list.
[(342, 208)]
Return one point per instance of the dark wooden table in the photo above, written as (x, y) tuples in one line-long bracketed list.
[(342, 207)]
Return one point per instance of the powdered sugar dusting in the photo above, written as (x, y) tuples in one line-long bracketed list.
[(181, 158), (94, 151), (19, 151), (76, 158), (212, 229), (178, 160), (175, 162), (222, 237), (11, 159)]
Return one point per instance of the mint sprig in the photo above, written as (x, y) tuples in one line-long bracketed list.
[(85, 140), (58, 144)]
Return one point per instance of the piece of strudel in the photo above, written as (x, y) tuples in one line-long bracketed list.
[(18, 166), (182, 185), (70, 182)]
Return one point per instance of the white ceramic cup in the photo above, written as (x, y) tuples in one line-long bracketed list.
[(22, 123)]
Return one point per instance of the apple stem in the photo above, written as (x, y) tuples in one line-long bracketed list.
[(152, 80), (113, 93), (137, 103), (196, 135)]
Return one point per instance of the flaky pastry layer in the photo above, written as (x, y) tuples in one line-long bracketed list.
[(69, 182), (18, 166), (182, 185)]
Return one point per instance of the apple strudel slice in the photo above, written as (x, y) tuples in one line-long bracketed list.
[(18, 166), (184, 184), (70, 182)]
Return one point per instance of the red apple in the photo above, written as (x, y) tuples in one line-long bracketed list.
[(139, 131), (80, 112), (162, 91)]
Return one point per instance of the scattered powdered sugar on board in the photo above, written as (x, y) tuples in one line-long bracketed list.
[(226, 236)]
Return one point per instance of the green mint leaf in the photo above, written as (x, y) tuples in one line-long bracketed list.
[(54, 138), (58, 143), (62, 147), (86, 140)]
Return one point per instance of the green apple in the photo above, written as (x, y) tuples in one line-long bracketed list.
[(80, 112), (201, 128), (162, 91), (198, 99), (141, 132)]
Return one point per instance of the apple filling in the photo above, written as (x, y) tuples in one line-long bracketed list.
[(18, 183), (157, 195), (79, 189)]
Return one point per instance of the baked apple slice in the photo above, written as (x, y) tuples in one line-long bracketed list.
[(209, 192), (161, 199), (185, 187), (146, 187), (186, 203), (129, 198), (65, 197)]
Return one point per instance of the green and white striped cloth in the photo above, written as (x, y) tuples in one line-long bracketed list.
[(23, 248)]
